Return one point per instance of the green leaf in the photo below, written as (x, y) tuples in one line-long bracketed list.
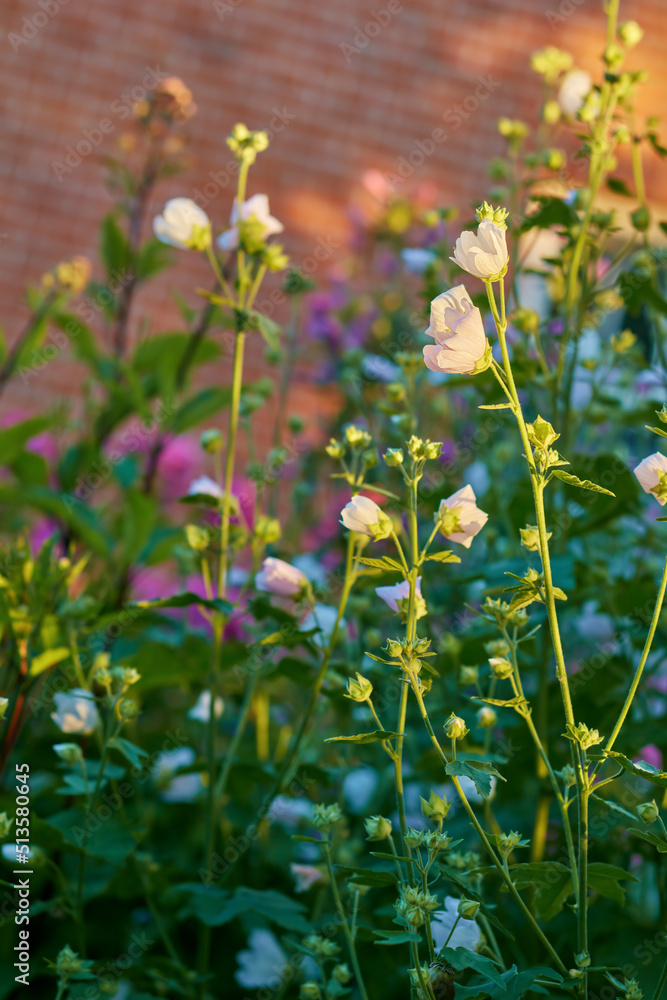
[(551, 882), (268, 329), (374, 737), (443, 557), (479, 771), (552, 212), (463, 958), (130, 751), (109, 840), (185, 600), (152, 258), (47, 659), (637, 290), (641, 768), (618, 186), (584, 484), (386, 563), (660, 843), (503, 703), (605, 879), (216, 906), (368, 876), (387, 937), (13, 439), (200, 407), (115, 249)]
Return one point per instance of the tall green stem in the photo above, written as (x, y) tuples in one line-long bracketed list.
[(352, 949), (237, 379)]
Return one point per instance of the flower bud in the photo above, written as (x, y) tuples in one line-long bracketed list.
[(360, 689), (341, 974), (541, 434), (394, 647), (335, 449), (70, 753), (641, 219), (468, 675), (128, 709), (486, 717), (583, 960), (487, 212), (324, 817), (357, 436), (267, 529), (377, 827), (455, 728), (630, 33), (393, 457), (501, 667), (648, 811), (309, 991), (211, 440), (68, 962), (530, 537), (508, 842), (436, 808), (436, 842), (414, 838), (551, 112), (197, 537), (433, 449), (467, 909), (5, 825)]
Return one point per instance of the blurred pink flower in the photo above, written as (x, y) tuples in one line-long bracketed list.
[(179, 463), (651, 754)]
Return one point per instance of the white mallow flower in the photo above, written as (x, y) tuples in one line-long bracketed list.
[(263, 963), (398, 592), (206, 486), (174, 787), (483, 254), (652, 476), (468, 518), (258, 206), (76, 711), (573, 90), (466, 935), (183, 224), (278, 577), (457, 328), (364, 516), (201, 709), (305, 876)]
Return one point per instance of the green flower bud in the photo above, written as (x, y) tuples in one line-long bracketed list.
[(436, 808), (433, 449), (497, 647), (356, 436), (508, 842), (274, 257), (4, 702), (467, 909), (551, 112), (341, 974), (581, 734), (641, 218), (377, 828), (501, 667), (70, 753), (197, 537), (5, 825), (295, 424), (211, 440), (486, 717), (128, 709), (436, 842), (488, 212), (468, 675), (648, 811), (267, 529), (530, 537), (541, 434), (613, 56), (455, 728), (393, 457), (568, 775), (414, 838), (321, 946), (394, 647), (68, 962), (309, 991), (324, 817), (630, 33), (632, 990), (335, 449), (360, 689), (583, 960)]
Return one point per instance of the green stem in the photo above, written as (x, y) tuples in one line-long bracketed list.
[(232, 750), (237, 378), (326, 847), (661, 983)]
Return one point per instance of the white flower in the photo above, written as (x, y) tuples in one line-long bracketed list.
[(466, 935), (278, 577), (263, 963), (573, 90), (76, 711), (200, 711), (650, 473), (417, 259), (312, 568), (364, 516), (289, 811), (470, 518), (398, 592), (176, 787), (206, 486), (457, 328), (324, 618), (359, 787), (485, 254), (258, 206), (183, 224), (305, 876)]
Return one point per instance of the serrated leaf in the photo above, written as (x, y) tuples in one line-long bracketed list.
[(495, 406), (368, 876), (374, 737), (443, 557), (503, 703), (605, 879), (551, 882), (584, 484), (641, 768), (386, 563), (463, 958), (479, 771), (185, 600), (134, 754), (660, 843)]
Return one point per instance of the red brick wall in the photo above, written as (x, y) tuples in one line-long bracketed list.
[(346, 109)]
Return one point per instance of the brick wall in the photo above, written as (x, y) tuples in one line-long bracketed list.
[(347, 85)]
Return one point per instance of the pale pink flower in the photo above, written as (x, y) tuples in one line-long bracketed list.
[(398, 592), (483, 254), (471, 518), (648, 474), (278, 577), (258, 206), (457, 328), (305, 876)]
